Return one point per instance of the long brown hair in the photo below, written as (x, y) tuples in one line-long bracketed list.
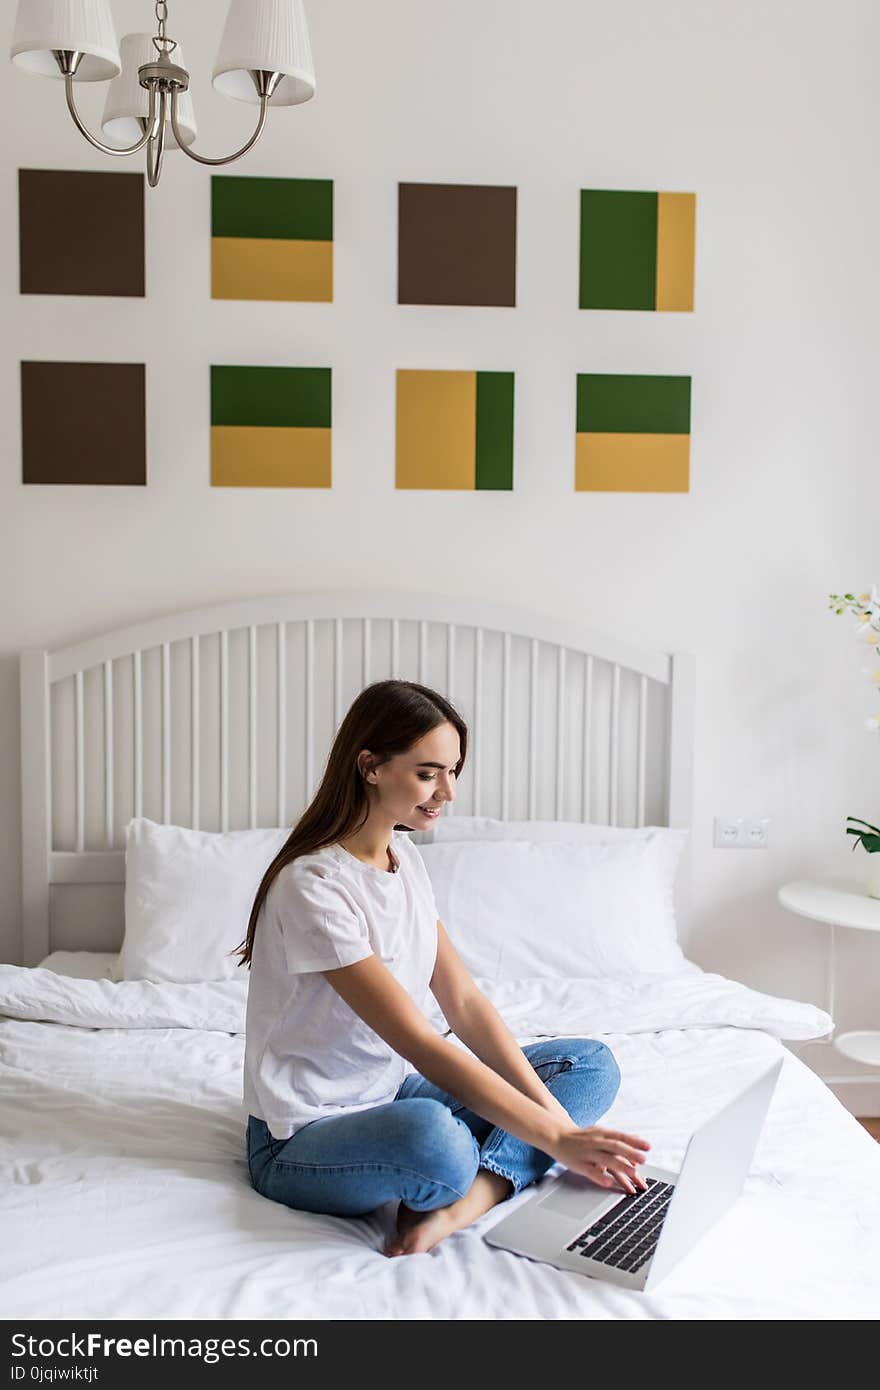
[(388, 717)]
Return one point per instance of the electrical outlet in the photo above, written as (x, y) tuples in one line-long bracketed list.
[(741, 832), (728, 832), (756, 830)]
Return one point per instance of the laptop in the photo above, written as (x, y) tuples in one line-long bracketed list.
[(635, 1240)]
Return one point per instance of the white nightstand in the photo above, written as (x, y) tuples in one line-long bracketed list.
[(840, 902)]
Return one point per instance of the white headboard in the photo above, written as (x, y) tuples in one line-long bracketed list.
[(222, 718)]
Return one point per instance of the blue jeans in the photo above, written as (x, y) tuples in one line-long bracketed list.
[(425, 1147)]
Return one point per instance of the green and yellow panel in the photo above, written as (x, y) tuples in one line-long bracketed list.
[(455, 430), (637, 250), (633, 433), (270, 427), (271, 238)]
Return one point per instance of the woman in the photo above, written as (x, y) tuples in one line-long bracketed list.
[(354, 1099)]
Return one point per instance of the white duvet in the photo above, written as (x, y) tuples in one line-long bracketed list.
[(124, 1189), (69, 993)]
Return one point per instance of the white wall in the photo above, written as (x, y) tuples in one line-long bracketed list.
[(769, 113)]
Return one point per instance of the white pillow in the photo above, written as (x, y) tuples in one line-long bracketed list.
[(188, 896), (453, 827), (524, 909)]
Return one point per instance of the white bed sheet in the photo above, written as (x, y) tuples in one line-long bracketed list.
[(124, 1191)]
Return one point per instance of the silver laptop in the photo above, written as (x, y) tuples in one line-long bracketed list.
[(636, 1240)]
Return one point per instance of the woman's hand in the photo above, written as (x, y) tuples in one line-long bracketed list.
[(605, 1156)]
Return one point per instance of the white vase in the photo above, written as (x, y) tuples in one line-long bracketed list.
[(872, 876)]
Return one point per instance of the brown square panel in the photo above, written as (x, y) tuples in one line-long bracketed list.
[(81, 233), (83, 422), (456, 244)]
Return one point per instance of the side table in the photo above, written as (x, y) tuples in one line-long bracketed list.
[(840, 902)]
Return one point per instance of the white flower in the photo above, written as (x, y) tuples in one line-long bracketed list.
[(866, 611)]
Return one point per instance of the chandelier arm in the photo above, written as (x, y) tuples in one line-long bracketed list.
[(148, 134), (227, 159), (156, 147)]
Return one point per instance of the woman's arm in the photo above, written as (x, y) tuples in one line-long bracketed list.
[(373, 993), (474, 1019)]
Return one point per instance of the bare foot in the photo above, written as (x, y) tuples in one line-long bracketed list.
[(418, 1231)]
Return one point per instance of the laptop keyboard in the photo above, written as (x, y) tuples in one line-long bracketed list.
[(627, 1235)]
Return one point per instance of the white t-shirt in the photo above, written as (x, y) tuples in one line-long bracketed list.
[(307, 1054)]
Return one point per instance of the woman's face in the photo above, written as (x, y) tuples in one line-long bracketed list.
[(411, 788)]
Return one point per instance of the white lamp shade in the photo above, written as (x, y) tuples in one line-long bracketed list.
[(81, 26), (268, 36), (128, 102)]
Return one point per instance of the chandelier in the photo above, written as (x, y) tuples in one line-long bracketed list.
[(264, 57)]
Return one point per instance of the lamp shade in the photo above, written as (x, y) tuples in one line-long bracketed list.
[(80, 26), (128, 103), (268, 36)]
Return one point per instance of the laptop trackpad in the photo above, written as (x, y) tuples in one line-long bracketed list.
[(573, 1196)]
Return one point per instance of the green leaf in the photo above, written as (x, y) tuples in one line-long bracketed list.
[(856, 820), (871, 843), (851, 597)]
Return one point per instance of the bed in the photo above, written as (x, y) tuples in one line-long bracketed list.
[(125, 1191)]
